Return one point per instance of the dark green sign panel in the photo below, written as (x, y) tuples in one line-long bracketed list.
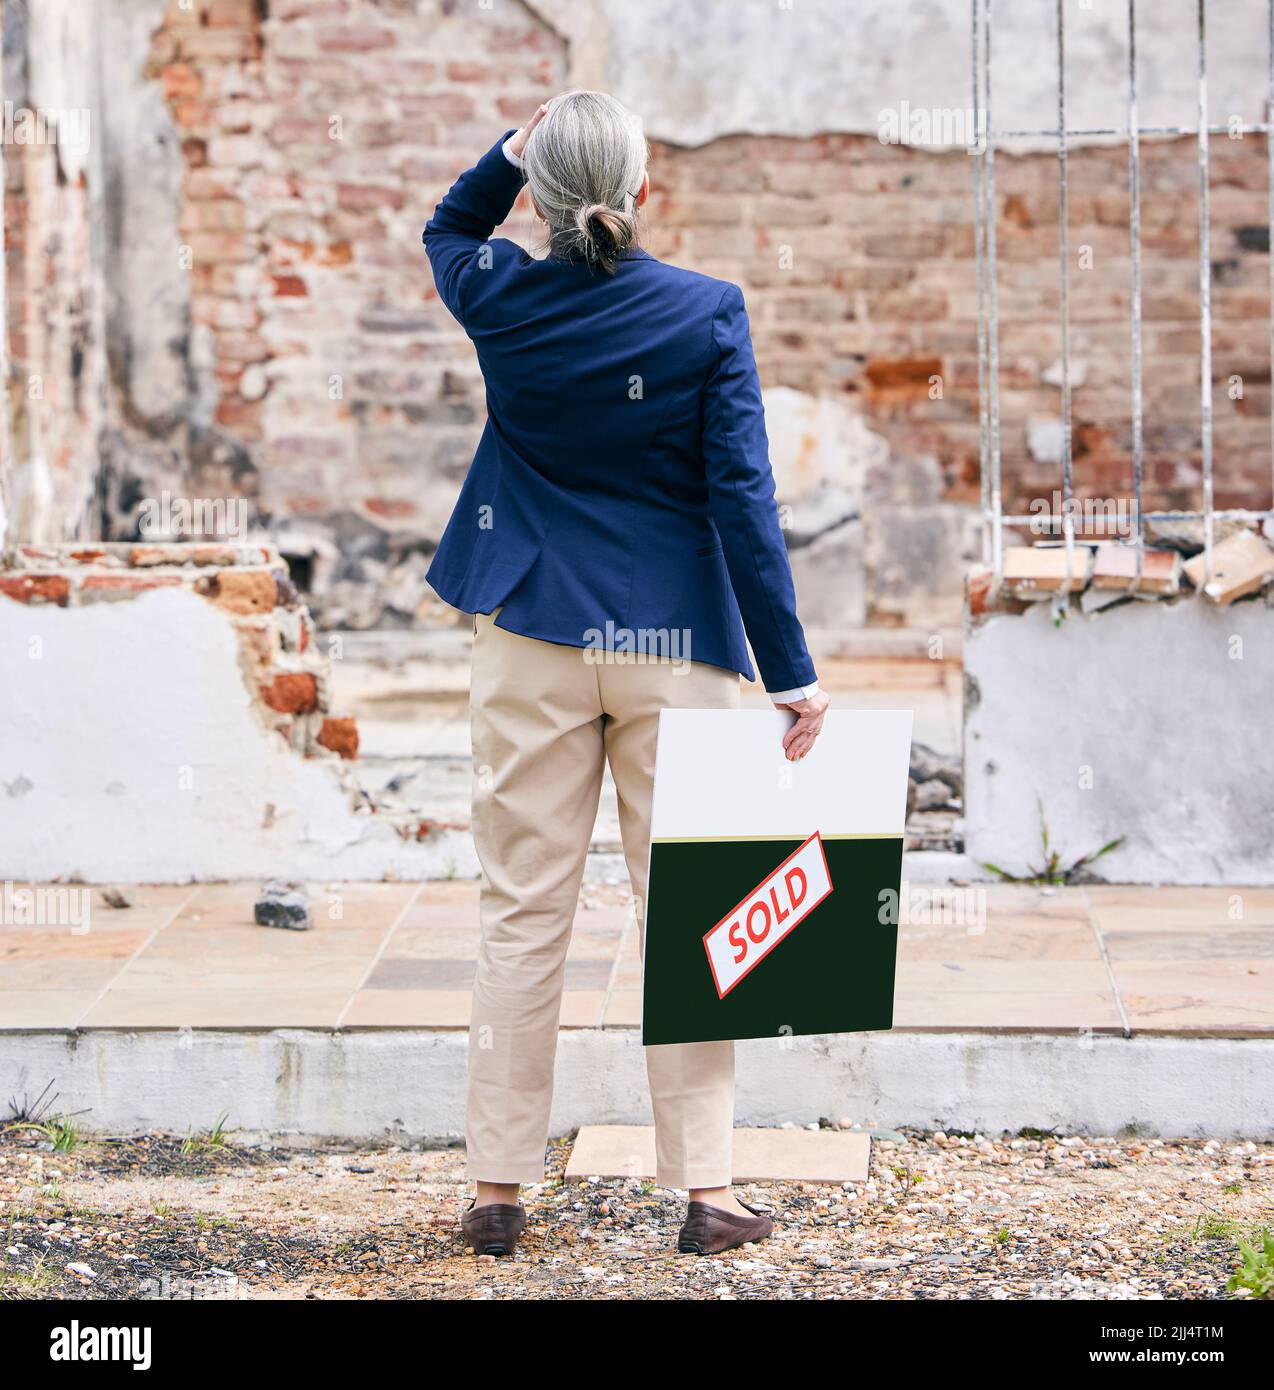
[(833, 972)]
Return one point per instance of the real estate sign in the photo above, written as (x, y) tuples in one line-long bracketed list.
[(767, 878)]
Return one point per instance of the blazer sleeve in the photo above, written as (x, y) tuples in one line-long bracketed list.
[(475, 205), (741, 495)]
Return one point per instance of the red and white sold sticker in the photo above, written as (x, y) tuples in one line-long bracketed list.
[(782, 900)]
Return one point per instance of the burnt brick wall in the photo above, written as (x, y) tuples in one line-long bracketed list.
[(318, 134)]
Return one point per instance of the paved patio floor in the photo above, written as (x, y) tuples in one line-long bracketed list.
[(1176, 961)]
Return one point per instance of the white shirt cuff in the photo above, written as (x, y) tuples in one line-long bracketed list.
[(786, 697), (514, 159)]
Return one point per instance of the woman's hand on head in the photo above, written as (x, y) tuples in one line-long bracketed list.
[(799, 739), (517, 141)]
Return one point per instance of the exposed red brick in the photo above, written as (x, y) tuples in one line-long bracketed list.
[(212, 555), (239, 591), (1015, 210), (981, 599), (243, 417), (260, 637), (290, 285), (363, 197), (37, 588), (877, 293), (390, 507), (340, 735), (181, 80), (903, 373), (355, 39), (106, 585), (292, 692), (241, 14)]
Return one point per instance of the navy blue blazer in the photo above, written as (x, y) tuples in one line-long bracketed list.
[(621, 495)]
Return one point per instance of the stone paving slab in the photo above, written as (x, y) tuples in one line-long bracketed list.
[(780, 1155), (399, 955)]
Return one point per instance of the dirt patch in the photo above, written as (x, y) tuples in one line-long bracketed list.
[(940, 1217)]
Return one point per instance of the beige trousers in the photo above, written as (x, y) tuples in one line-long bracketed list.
[(545, 718)]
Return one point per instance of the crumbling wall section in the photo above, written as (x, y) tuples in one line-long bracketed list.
[(274, 334), (53, 281), (167, 711), (1110, 710)]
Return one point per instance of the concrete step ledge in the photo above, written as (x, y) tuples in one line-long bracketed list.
[(409, 1085)]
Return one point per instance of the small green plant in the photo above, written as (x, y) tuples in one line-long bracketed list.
[(216, 1138), (60, 1132), (163, 1210), (1256, 1273), (63, 1134), (907, 1178), (36, 1116), (1232, 1189), (1002, 1236), (19, 1284), (1213, 1226), (1052, 873)]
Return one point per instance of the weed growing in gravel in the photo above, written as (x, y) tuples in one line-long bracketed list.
[(1256, 1273), (59, 1131), (218, 1137), (18, 1284)]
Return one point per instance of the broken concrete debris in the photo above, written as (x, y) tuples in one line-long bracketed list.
[(1241, 565), (932, 795), (285, 669), (927, 765), (283, 904), (1043, 570), (1104, 572), (1116, 567), (935, 780)]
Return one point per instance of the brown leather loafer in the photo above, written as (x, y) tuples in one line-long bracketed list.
[(709, 1230), (495, 1228)]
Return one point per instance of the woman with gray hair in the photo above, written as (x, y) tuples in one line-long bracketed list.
[(615, 538)]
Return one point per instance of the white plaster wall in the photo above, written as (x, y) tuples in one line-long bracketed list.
[(717, 67), (130, 751), (1166, 705)]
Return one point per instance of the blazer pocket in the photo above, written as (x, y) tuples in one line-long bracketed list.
[(706, 551)]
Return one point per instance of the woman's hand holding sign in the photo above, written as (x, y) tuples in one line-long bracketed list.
[(799, 739)]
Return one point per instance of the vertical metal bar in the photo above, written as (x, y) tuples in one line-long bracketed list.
[(1205, 296), (1063, 256), (979, 171), (1269, 151), (6, 456), (1134, 246), (993, 315)]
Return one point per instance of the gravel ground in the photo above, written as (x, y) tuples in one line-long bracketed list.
[(942, 1217)]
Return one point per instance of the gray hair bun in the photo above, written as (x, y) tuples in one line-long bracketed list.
[(585, 163)]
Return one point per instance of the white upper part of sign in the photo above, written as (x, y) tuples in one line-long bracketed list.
[(721, 774)]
